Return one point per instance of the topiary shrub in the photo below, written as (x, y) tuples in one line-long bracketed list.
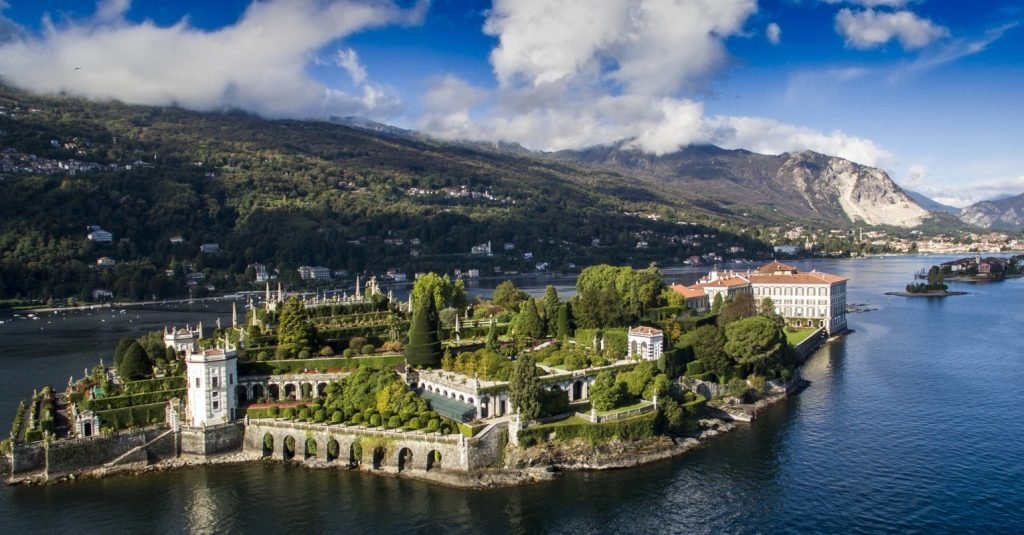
[(319, 416), (375, 420), (289, 413), (303, 414), (394, 421), (274, 412), (337, 417), (694, 368), (368, 349), (413, 423), (281, 352), (326, 351), (348, 353), (303, 354), (433, 425)]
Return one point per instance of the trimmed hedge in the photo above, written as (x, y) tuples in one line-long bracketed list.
[(121, 402), (271, 367), (629, 430), (136, 416), (154, 385)]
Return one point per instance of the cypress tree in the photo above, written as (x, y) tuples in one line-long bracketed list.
[(424, 348), (524, 387), (551, 304), (492, 337), (563, 328)]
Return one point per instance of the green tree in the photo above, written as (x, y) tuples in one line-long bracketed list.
[(135, 364), (551, 306), (743, 306), (606, 393), (441, 289), (122, 346), (709, 349), (716, 304), (507, 296), (424, 348), (524, 387), (754, 342), (564, 329), (294, 332), (528, 322), (492, 336)]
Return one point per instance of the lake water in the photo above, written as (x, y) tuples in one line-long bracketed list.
[(911, 424)]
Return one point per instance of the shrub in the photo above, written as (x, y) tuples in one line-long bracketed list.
[(337, 417), (356, 343), (413, 423), (375, 420), (433, 425), (303, 354), (348, 353), (281, 352), (326, 351), (394, 421), (262, 355), (274, 411), (368, 349), (356, 419), (319, 416), (303, 414), (289, 413), (555, 360)]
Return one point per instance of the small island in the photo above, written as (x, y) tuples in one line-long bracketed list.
[(935, 287), (493, 392)]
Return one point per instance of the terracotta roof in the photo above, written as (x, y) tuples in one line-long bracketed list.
[(724, 283), (814, 277), (688, 292), (775, 266), (645, 331)]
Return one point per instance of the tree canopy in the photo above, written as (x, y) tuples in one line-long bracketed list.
[(424, 348)]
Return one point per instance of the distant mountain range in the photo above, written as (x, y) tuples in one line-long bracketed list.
[(930, 204), (999, 214), (802, 185)]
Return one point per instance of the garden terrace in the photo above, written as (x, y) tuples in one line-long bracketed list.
[(278, 367)]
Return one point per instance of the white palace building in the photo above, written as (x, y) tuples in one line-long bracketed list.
[(811, 299)]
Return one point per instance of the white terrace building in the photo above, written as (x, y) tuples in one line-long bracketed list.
[(812, 299), (645, 343), (212, 374)]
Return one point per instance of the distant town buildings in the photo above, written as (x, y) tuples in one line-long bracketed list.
[(314, 273), (209, 248), (98, 235)]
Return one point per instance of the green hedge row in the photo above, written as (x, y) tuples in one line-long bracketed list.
[(121, 402), (137, 416), (271, 367), (154, 385), (629, 430)]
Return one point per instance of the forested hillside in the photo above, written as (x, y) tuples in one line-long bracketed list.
[(288, 193)]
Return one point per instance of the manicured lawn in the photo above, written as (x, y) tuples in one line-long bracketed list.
[(584, 407), (796, 337)]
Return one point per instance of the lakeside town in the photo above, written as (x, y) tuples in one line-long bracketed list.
[(438, 387)]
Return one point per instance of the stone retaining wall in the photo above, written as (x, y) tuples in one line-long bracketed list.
[(212, 440)]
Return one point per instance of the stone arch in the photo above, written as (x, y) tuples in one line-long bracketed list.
[(355, 454), (257, 391), (321, 389), (379, 453), (268, 445), (577, 390), (288, 448), (306, 390), (469, 400), (462, 398), (643, 349), (333, 450), (241, 394), (404, 459), (485, 407), (311, 448), (632, 348), (274, 392), (289, 390), (433, 460)]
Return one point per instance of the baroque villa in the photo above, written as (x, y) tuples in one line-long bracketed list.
[(805, 299)]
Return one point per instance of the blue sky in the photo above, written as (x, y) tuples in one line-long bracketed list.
[(929, 91)]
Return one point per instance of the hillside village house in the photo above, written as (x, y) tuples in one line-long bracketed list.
[(99, 235), (812, 299), (314, 273)]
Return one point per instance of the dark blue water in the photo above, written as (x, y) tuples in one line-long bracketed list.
[(912, 424)]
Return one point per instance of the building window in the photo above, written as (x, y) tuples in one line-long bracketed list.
[(216, 405), (214, 394), (213, 382), (231, 378), (198, 382)]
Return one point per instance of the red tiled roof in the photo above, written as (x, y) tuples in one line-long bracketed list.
[(775, 266), (688, 292), (728, 282), (814, 277), (646, 331)]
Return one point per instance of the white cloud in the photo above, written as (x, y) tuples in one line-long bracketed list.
[(869, 28), (257, 63), (916, 177), (110, 10), (774, 33), (952, 51), (349, 60), (650, 47)]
